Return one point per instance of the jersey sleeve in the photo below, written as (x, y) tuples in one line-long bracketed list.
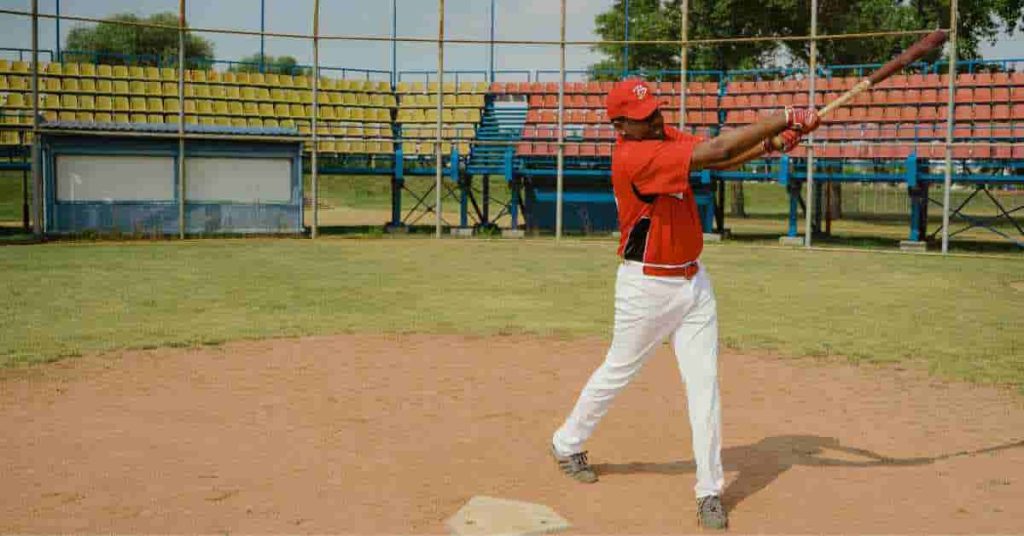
[(667, 168)]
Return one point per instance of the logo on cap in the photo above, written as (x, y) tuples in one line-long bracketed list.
[(640, 91)]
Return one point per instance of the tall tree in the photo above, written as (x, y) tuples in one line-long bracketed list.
[(271, 64), (113, 43), (979, 21)]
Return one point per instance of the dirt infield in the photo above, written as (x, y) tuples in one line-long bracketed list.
[(378, 434)]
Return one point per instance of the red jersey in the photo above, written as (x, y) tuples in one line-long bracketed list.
[(658, 219)]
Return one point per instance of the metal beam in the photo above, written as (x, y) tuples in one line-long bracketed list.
[(950, 120), (809, 214), (560, 170), (314, 180), (439, 163)]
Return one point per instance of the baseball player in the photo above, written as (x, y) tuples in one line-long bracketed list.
[(662, 290)]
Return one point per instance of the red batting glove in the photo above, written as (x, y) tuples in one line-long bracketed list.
[(803, 120), (789, 138)]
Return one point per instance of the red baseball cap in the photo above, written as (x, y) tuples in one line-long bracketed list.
[(631, 98)]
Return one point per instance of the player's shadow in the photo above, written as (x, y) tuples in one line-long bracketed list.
[(759, 464)]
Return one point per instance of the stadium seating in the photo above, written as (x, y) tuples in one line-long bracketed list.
[(462, 106), (100, 93)]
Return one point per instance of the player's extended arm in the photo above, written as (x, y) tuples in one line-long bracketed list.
[(746, 143)]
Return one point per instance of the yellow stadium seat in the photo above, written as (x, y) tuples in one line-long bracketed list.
[(50, 102), (70, 85), (71, 69), (337, 129), (464, 99), (169, 89), (121, 104), (138, 118), (50, 84), (336, 98), (327, 84), (377, 100), (257, 79), (418, 87), (229, 78), (218, 92), (242, 78), (301, 81), (5, 66), (278, 95), (190, 90), (191, 120), (171, 106), (104, 71), (344, 85), (362, 99), (85, 117), (254, 122), (104, 117), (104, 86), (151, 73), (384, 86), (153, 88), (87, 85), (326, 112), (191, 108), (205, 107), (171, 119), (304, 129), (403, 87), (450, 100), (53, 68), (432, 87), (357, 146), (323, 98), (20, 67), (154, 104), (48, 116), (137, 87), (297, 110), (270, 123), (196, 76), (480, 87), (104, 103), (360, 86), (266, 109), (213, 77), (121, 87), (282, 110), (262, 94), (86, 69), (474, 116), (138, 104), (86, 102), (155, 118), (19, 83), (286, 80), (168, 73), (4, 86), (307, 110), (349, 99), (122, 118), (202, 91), (356, 114), (449, 87), (220, 107), (322, 129), (238, 122), (209, 120), (326, 146), (287, 123), (463, 87), (250, 109), (354, 131), (271, 79), (233, 92), (305, 97), (248, 93), (136, 72)]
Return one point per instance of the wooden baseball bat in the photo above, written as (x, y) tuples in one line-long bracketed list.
[(895, 65)]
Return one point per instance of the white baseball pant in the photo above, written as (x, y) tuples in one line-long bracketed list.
[(647, 311)]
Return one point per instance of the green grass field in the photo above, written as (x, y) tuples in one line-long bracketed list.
[(961, 316)]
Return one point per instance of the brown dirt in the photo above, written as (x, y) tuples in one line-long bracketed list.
[(379, 434)]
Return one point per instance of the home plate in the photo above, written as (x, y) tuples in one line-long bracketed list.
[(490, 515)]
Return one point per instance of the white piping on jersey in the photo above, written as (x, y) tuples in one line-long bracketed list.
[(667, 266)]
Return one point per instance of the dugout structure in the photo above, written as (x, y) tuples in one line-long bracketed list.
[(131, 182)]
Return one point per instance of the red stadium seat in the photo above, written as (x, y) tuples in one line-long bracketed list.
[(548, 116), (1017, 112), (983, 95), (550, 87), (927, 113), (524, 149), (859, 114), (588, 149), (533, 116), (571, 149), (964, 113), (1002, 152), (982, 112), (936, 81), (529, 132), (1017, 94), (498, 87), (594, 101), (892, 113), (907, 113), (876, 113), (665, 88), (606, 87), (912, 96), (1001, 112), (604, 150), (546, 132), (592, 88), (536, 101), (964, 95), (550, 101), (575, 87)]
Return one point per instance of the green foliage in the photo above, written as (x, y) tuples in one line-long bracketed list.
[(120, 44), (980, 20), (271, 64)]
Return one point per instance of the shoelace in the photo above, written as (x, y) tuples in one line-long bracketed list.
[(711, 505), (578, 461)]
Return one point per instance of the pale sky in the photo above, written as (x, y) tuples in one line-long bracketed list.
[(515, 19)]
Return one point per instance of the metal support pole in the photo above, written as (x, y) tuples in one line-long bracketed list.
[(813, 63), (263, 29), (684, 49), (315, 178), (950, 120), (438, 164), (37, 172), (181, 119), (59, 59), (560, 170), (491, 71), (625, 55), (394, 44)]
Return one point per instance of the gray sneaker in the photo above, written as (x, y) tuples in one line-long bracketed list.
[(576, 466), (711, 514)]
